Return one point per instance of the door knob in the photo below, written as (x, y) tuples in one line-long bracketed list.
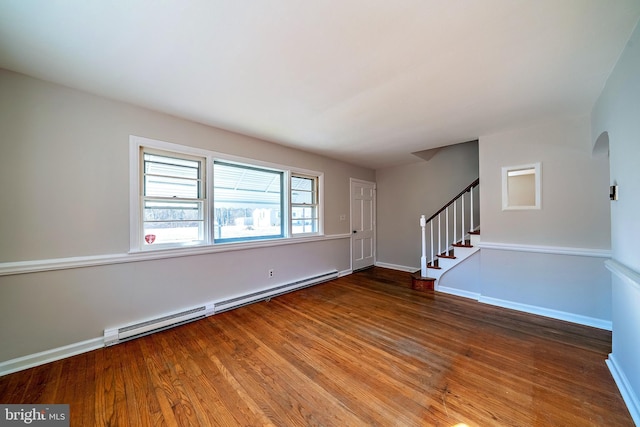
[(355, 231)]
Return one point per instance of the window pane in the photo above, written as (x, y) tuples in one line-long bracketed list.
[(302, 190), (167, 221), (173, 232), (171, 177), (304, 226), (248, 202), (298, 212), (168, 210), (300, 183), (304, 220), (300, 197), (160, 186), (170, 166)]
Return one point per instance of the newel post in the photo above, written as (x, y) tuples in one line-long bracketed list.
[(423, 258)]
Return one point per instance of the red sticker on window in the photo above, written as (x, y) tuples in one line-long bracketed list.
[(150, 238)]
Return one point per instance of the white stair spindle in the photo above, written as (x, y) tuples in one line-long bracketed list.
[(431, 225), (462, 218), (446, 239), (423, 258), (471, 209), (455, 220), (439, 235)]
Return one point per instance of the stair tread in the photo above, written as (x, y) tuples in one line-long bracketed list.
[(475, 233), (418, 276), (447, 256), (466, 244), (434, 265)]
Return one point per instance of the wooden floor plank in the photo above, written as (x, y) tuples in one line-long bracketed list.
[(225, 403), (104, 397), (364, 349), (377, 386)]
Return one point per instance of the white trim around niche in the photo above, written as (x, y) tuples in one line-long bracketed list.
[(537, 170)]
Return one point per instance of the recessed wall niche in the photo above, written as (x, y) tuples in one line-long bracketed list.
[(521, 187)]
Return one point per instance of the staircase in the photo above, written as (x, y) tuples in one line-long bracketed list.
[(449, 237)]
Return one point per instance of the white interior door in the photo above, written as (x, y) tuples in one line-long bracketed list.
[(363, 224)]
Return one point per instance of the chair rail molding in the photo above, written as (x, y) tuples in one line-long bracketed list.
[(554, 250), (34, 266)]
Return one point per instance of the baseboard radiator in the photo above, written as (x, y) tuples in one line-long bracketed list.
[(267, 294), (135, 330)]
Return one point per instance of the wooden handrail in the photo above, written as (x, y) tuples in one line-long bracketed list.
[(469, 187)]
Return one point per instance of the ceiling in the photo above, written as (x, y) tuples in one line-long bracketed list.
[(366, 81)]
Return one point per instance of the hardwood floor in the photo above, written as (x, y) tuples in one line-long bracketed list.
[(362, 350)]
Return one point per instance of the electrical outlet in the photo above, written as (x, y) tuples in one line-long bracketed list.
[(270, 273)]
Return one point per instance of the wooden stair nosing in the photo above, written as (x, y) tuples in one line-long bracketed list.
[(462, 245), (418, 275)]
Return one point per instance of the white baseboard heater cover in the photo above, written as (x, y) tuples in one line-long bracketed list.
[(266, 294), (135, 330)]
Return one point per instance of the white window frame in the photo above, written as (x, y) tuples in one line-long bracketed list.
[(202, 196), (136, 143), (316, 180)]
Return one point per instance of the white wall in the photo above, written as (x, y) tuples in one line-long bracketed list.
[(548, 261), (64, 186), (617, 112), (421, 188)]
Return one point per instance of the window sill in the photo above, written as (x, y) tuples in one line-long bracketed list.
[(24, 267), (188, 250)]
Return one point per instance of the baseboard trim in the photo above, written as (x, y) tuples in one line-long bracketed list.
[(531, 309), (345, 272), (547, 312), (397, 267), (37, 359), (458, 292), (526, 308), (628, 395)]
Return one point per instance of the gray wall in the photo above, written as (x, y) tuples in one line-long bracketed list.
[(64, 166), (64, 186), (421, 188), (575, 187), (521, 263), (617, 113)]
